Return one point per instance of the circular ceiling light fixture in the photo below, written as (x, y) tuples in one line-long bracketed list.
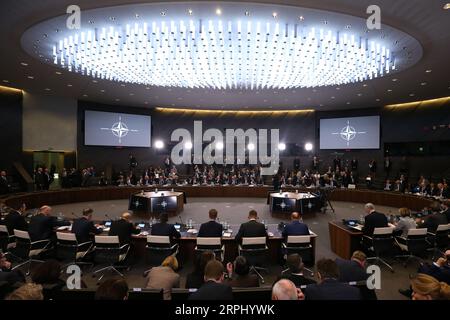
[(255, 52)]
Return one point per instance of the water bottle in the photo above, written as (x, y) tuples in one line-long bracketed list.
[(361, 219)]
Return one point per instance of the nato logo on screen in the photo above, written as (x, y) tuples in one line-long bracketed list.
[(350, 133), (116, 129)]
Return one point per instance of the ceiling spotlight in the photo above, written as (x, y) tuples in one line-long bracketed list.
[(251, 147), (308, 146), (159, 144), (69, 85), (218, 11), (281, 146), (117, 99), (447, 6), (365, 85), (247, 13), (423, 84), (47, 89), (30, 77), (274, 14), (219, 145), (188, 145), (163, 13), (348, 102), (395, 79), (378, 100), (301, 18), (58, 72), (411, 94), (190, 12), (95, 81), (24, 64), (389, 90), (428, 71)]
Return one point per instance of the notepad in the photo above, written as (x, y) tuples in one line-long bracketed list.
[(227, 234), (193, 231), (64, 228)]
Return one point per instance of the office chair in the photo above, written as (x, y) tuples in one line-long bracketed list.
[(381, 242), (413, 245), (302, 246), (146, 294), (259, 293), (26, 249), (440, 240), (254, 249), (210, 244), (109, 251), (68, 249), (158, 248)]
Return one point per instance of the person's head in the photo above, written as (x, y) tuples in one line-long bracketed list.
[(404, 212), (212, 214), (369, 207), (214, 271), (295, 216), (88, 213), (435, 206), (112, 289), (171, 262), (163, 217), (203, 260), (47, 272), (426, 287), (28, 291), (253, 215), (126, 216), (359, 257), (3, 173), (45, 210), (241, 266), (285, 289), (327, 269), (294, 263)]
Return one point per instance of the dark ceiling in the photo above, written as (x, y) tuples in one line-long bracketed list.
[(426, 21)]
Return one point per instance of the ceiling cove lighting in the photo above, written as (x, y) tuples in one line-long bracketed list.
[(223, 54), (422, 103), (239, 112)]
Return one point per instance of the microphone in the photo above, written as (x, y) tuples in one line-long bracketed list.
[(181, 219), (74, 215)]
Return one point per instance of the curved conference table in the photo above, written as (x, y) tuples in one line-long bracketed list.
[(188, 241)]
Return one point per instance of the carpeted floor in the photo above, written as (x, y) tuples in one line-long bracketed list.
[(234, 210)]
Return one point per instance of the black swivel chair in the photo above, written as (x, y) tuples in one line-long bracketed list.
[(109, 251), (414, 246), (302, 246), (158, 248), (28, 250), (439, 240), (255, 249), (381, 242), (7, 241), (260, 294), (210, 244), (68, 249), (145, 294)]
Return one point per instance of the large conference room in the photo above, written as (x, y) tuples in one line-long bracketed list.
[(224, 150)]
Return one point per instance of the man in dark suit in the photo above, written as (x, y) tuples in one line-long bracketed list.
[(15, 220), (433, 220), (439, 269), (251, 228), (443, 191), (373, 220), (42, 226), (445, 210), (329, 287), (295, 274), (39, 179), (211, 228), (165, 229), (5, 187), (213, 288), (123, 228), (84, 228), (295, 227)]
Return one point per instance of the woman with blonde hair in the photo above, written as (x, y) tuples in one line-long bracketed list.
[(164, 277), (426, 287)]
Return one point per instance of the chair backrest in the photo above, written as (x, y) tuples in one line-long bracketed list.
[(298, 239), (3, 229), (250, 241), (206, 241), (23, 244), (383, 231), (112, 240), (181, 294), (260, 293), (23, 235), (417, 241), (417, 232), (442, 239), (158, 239), (66, 236), (440, 228)]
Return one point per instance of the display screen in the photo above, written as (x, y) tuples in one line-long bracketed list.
[(350, 133), (116, 129)]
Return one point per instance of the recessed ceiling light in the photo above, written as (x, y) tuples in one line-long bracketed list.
[(274, 14), (428, 71), (102, 90), (85, 95), (47, 89), (24, 64), (218, 11), (389, 90), (359, 94), (338, 88), (131, 94), (423, 84), (348, 102), (365, 85), (301, 18), (69, 85), (447, 6), (30, 77), (58, 72), (247, 13), (147, 88), (395, 79), (6, 81), (117, 99), (122, 85), (411, 94), (332, 97), (377, 100), (94, 81)]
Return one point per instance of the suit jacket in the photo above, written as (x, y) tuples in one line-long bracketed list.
[(212, 291), (194, 280), (123, 229), (163, 278), (441, 274), (4, 185), (14, 220), (247, 281), (251, 228), (165, 229), (372, 221), (298, 279), (350, 270), (295, 228), (432, 221), (332, 289), (42, 227), (83, 228), (210, 229)]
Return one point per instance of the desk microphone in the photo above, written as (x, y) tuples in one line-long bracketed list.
[(181, 219)]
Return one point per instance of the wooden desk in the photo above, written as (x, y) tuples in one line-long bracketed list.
[(343, 240), (153, 203)]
